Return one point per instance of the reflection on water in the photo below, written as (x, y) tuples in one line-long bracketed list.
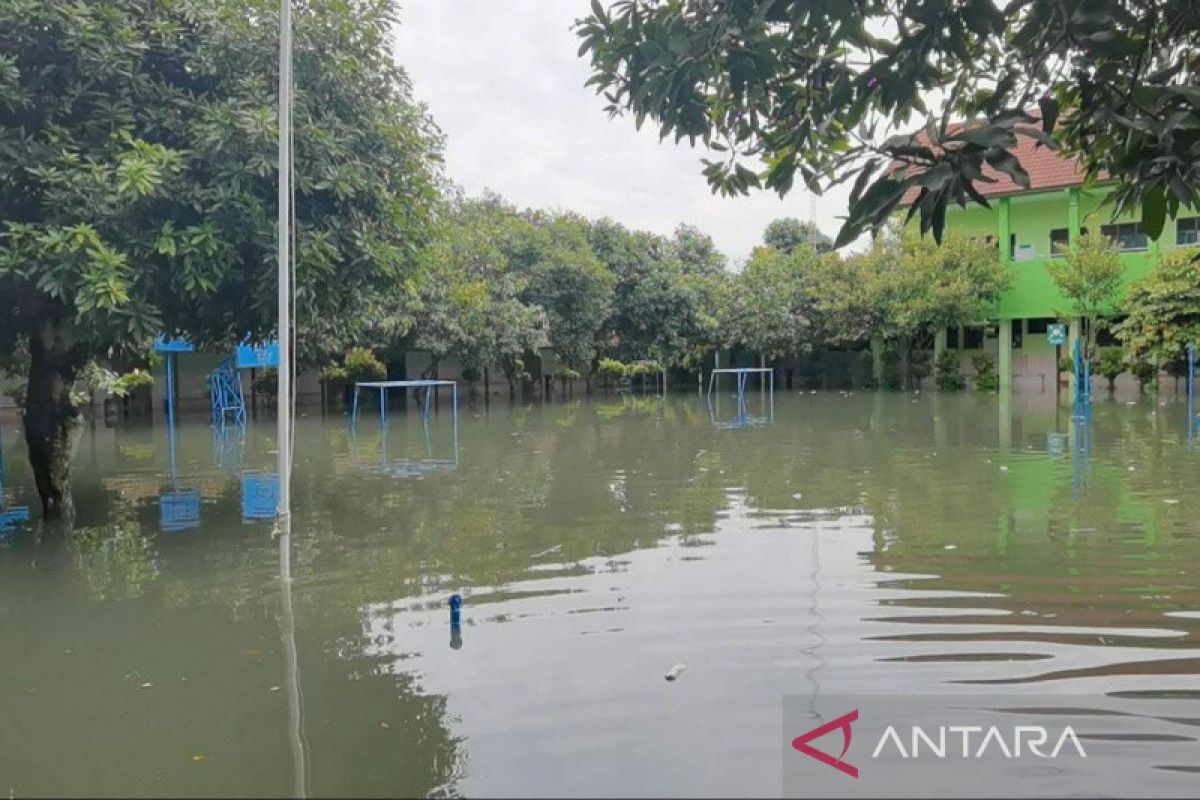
[(866, 544)]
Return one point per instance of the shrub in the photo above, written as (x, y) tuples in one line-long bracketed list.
[(1146, 372), (611, 368), (1112, 364), (362, 365), (986, 379), (947, 371)]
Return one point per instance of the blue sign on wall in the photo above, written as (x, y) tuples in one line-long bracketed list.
[(1056, 334), (162, 345), (178, 511), (251, 357), (260, 495)]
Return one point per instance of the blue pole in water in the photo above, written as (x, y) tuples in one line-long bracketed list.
[(1191, 390), (170, 388), (456, 621)]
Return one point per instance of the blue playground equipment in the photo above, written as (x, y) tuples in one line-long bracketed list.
[(260, 496), (171, 348), (1083, 380), (430, 386), (225, 393), (260, 490), (9, 517), (742, 418), (409, 467), (225, 382), (178, 508)]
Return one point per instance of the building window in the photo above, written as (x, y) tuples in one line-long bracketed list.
[(1105, 336), (1126, 235), (972, 338), (1187, 231), (952, 338), (1060, 240), (1039, 326), (1018, 337)]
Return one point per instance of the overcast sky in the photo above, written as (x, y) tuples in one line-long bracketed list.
[(503, 81)]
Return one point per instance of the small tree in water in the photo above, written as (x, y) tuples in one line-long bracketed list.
[(1111, 366), (947, 372), (1089, 276)]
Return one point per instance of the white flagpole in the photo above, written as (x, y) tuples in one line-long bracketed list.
[(284, 260)]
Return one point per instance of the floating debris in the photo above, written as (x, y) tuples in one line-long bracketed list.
[(950, 547), (147, 685), (675, 671), (547, 551)]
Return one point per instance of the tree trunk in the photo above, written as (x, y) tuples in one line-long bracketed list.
[(50, 417)]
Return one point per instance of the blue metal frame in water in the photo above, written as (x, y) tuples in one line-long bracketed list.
[(178, 508), (225, 393), (170, 348), (430, 387), (742, 419), (9, 517), (408, 467)]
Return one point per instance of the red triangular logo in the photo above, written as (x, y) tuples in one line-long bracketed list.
[(801, 743)]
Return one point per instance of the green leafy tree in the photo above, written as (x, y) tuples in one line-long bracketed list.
[(768, 309), (697, 252), (138, 184), (787, 89), (663, 304), (564, 278), (1163, 310), (471, 297), (1089, 275), (906, 287), (788, 233)]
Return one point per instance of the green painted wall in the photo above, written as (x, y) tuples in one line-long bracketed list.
[(1032, 217)]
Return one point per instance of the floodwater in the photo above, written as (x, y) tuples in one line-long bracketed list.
[(846, 544)]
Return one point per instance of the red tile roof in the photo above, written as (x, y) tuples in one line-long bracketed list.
[(1048, 169)]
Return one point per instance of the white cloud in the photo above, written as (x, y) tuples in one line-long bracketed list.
[(502, 79)]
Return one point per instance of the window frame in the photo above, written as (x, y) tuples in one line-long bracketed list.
[(1116, 232), (1194, 231)]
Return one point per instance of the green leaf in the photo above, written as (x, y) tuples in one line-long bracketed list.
[(1154, 212)]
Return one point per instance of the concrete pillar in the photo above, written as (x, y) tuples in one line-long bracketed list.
[(1005, 231), (1004, 406), (1004, 365), (877, 348), (1074, 223)]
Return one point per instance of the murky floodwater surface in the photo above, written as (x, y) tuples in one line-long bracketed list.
[(865, 544)]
